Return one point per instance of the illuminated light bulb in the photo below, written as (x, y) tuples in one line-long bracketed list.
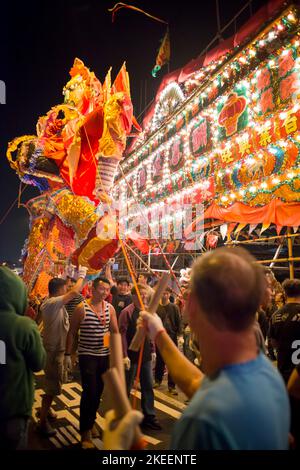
[(220, 173), (264, 185), (258, 73), (261, 43), (280, 27), (271, 35), (291, 17), (250, 161), (232, 196), (224, 198), (275, 180), (252, 53), (296, 108), (283, 116), (271, 63), (227, 171), (291, 175), (242, 192), (296, 43), (285, 52), (243, 60), (252, 189)]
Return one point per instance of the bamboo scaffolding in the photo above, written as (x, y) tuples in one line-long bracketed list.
[(263, 239), (290, 253), (279, 260)]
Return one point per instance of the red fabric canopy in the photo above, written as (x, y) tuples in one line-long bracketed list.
[(276, 212)]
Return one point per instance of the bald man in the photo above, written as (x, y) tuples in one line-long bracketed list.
[(242, 402)]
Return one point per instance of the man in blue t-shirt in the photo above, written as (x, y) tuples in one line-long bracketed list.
[(242, 402)]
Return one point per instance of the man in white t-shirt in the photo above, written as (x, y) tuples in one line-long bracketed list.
[(56, 325)]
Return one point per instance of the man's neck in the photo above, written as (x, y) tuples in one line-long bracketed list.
[(228, 349), (164, 303), (96, 300)]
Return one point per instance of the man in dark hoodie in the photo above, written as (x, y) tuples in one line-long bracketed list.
[(24, 354)]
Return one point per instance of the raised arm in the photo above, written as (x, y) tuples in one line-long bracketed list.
[(77, 287), (76, 319)]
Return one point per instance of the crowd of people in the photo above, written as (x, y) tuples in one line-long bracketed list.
[(228, 340)]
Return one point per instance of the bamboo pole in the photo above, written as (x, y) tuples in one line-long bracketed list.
[(279, 260), (276, 254), (140, 259), (290, 252), (121, 402), (239, 242), (116, 356), (140, 334)]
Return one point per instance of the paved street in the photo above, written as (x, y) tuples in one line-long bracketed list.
[(66, 406)]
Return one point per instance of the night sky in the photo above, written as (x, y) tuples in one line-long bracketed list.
[(38, 43)]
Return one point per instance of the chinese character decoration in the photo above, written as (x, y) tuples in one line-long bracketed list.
[(158, 167), (200, 137), (176, 159), (141, 178)]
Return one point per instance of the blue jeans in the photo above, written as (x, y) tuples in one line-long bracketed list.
[(14, 433), (146, 381)]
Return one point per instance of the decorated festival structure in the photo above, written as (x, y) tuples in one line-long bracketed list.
[(72, 159), (224, 132), (217, 159)]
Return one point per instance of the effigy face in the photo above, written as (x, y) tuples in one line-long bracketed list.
[(74, 91)]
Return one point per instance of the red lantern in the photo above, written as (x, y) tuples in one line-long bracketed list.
[(233, 109)]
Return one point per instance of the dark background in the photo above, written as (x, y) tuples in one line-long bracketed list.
[(38, 43)]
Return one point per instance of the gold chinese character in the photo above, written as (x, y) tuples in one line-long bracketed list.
[(226, 155), (290, 123), (265, 137), (244, 146)]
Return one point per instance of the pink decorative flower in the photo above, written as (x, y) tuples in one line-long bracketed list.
[(288, 86), (286, 63), (264, 79), (266, 101)]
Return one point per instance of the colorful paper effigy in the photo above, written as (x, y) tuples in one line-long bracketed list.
[(73, 161)]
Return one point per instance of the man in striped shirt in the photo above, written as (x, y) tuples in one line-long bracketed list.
[(95, 319)]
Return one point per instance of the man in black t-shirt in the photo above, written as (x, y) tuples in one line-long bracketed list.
[(285, 327), (170, 316), (121, 297)]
